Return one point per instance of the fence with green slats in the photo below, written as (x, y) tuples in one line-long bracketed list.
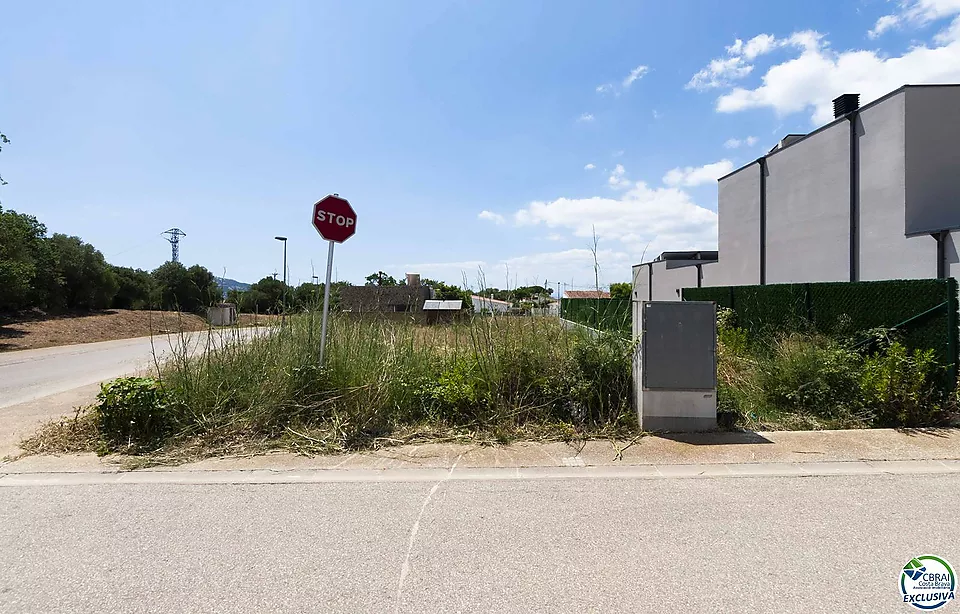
[(924, 311), (606, 314)]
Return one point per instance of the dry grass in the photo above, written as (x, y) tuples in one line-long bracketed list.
[(486, 382), (252, 319), (65, 436), (39, 330)]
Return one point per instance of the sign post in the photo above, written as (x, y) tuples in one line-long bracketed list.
[(336, 221)]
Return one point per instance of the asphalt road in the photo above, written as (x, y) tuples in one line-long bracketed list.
[(33, 374), (771, 544)]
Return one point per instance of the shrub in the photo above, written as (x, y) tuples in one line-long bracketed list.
[(812, 376), (899, 385), (131, 414)]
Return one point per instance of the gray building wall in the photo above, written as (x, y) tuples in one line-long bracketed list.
[(932, 159), (669, 280), (640, 282), (739, 229), (884, 252), (808, 209), (952, 254)]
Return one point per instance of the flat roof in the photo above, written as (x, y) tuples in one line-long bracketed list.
[(837, 120), (433, 305)]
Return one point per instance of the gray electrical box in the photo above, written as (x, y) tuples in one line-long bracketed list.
[(675, 366)]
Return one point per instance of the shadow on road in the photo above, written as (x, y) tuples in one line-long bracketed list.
[(716, 438)]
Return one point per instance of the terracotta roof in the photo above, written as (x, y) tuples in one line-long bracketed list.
[(586, 294)]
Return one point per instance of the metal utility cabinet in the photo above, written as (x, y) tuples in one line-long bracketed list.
[(675, 366)]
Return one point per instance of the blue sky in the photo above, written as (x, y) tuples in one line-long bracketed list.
[(494, 136)]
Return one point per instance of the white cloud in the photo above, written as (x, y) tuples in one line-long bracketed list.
[(572, 266), (759, 45), (617, 153), (590, 167), (586, 117), (915, 13), (887, 22), (635, 74), (667, 218), (697, 175), (496, 218), (640, 222), (656, 114), (606, 88), (734, 143), (812, 79), (721, 72), (617, 179)]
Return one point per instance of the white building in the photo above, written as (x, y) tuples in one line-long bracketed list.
[(483, 304)]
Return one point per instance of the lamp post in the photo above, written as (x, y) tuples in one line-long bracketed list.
[(284, 240)]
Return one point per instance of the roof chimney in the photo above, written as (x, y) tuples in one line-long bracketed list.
[(413, 280), (845, 103)]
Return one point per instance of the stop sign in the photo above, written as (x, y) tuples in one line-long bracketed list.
[(334, 218)]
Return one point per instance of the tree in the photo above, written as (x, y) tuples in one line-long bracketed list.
[(381, 279), (446, 292), (265, 296), (27, 267), (185, 289), (622, 290), (87, 280), (135, 288), (307, 294), (208, 292)]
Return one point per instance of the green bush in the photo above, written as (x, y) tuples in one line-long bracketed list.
[(811, 381), (810, 375), (900, 385), (131, 414), (455, 395)]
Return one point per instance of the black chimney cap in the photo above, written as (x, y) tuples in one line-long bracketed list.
[(845, 103)]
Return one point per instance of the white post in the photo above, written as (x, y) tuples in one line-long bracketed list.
[(326, 301)]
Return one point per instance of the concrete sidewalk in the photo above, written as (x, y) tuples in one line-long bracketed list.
[(781, 453)]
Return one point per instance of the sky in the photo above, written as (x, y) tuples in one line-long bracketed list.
[(494, 143)]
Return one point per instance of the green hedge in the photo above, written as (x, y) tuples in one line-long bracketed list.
[(607, 314), (923, 310)]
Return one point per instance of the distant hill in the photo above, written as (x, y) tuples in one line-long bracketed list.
[(232, 284)]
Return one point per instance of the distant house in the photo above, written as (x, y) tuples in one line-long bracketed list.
[(586, 294), (442, 311), (484, 304), (386, 299)]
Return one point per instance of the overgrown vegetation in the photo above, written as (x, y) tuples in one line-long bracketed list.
[(487, 380), (805, 380)]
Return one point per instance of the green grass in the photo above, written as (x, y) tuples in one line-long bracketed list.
[(811, 381), (492, 379)]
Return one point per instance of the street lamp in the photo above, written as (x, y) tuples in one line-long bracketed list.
[(284, 239)]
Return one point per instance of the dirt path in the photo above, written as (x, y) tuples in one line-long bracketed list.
[(40, 331)]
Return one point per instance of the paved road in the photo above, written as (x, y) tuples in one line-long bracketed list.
[(33, 374), (770, 544)]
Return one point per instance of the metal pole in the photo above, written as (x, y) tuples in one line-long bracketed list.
[(326, 301)]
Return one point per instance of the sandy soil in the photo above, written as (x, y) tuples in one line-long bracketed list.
[(39, 331)]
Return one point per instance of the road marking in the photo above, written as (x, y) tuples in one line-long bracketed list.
[(443, 474), (405, 568)]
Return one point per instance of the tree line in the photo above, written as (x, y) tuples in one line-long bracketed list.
[(63, 273)]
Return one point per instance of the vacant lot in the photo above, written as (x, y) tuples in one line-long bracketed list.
[(40, 331)]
